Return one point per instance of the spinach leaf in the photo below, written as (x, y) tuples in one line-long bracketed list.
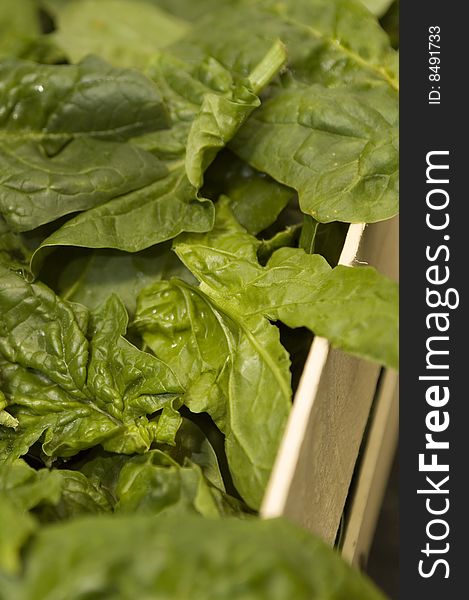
[(285, 237), (14, 252), (207, 104), (21, 489), (184, 477), (127, 33), (332, 42), (16, 528), (25, 487), (46, 493), (390, 23), (50, 494), (220, 117), (256, 199), (153, 483), (62, 133), (227, 559), (130, 199), (19, 24), (6, 420), (377, 7), (192, 445), (70, 392), (337, 148), (329, 128), (78, 495), (138, 220), (326, 239), (75, 155), (232, 368), (192, 11), (128, 223), (352, 307), (91, 276)]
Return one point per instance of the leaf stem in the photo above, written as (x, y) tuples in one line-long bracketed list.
[(268, 67)]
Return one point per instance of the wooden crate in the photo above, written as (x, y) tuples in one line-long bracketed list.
[(337, 401)]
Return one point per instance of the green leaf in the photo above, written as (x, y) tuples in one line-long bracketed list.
[(120, 372), (352, 307), (207, 104), (45, 102), (336, 147), (308, 235), (64, 129), (232, 368), (154, 483), (26, 488), (220, 117), (77, 183), (285, 237), (6, 420), (39, 332), (103, 469), (50, 127), (326, 239), (255, 198), (135, 221), (21, 489), (151, 483), (127, 33), (69, 392), (90, 277), (14, 253), (129, 199), (332, 42), (329, 128), (129, 222), (78, 496), (266, 560), (16, 527), (193, 445), (390, 23), (53, 495), (377, 7), (189, 10), (44, 50), (19, 24)]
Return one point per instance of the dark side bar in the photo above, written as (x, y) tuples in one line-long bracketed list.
[(434, 253)]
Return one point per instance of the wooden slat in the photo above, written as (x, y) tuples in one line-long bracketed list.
[(314, 467), (381, 243), (321, 444), (374, 472), (315, 463)]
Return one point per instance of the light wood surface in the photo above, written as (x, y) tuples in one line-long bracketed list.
[(316, 461), (374, 472)]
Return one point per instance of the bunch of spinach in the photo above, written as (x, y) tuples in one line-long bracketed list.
[(176, 182)]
